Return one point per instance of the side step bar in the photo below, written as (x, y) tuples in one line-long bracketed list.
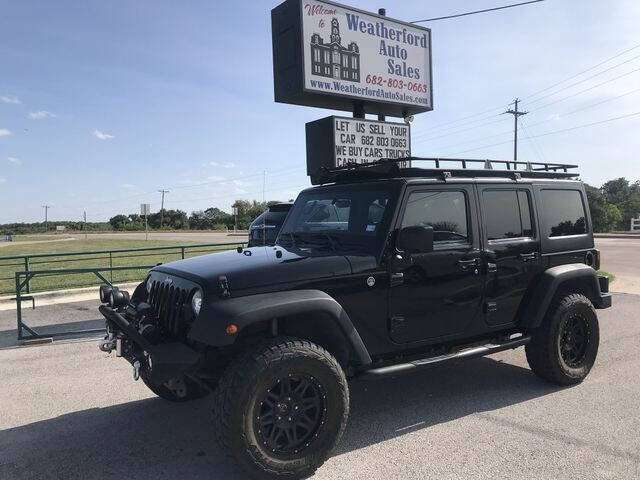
[(416, 365)]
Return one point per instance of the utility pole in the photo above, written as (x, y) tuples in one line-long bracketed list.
[(85, 225), (515, 114), (162, 206), (46, 217)]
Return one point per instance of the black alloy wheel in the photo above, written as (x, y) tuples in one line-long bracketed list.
[(574, 340), (280, 408), (564, 347), (291, 414)]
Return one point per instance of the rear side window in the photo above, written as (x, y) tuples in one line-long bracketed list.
[(445, 211), (564, 213), (507, 214)]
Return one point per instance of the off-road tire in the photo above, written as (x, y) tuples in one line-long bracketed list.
[(544, 352), (238, 403), (193, 390)]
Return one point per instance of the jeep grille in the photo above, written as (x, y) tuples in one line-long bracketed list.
[(169, 302)]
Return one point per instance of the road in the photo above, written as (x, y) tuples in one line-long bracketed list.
[(72, 412), (621, 256)]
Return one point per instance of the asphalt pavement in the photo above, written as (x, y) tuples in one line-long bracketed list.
[(621, 256), (69, 411)]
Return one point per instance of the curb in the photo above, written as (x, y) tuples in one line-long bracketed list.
[(59, 296), (617, 235)]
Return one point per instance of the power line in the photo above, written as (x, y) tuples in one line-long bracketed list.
[(477, 11), (452, 122), (585, 79), (582, 72), (586, 107), (554, 132), (585, 90)]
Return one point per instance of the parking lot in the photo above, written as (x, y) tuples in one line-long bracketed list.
[(70, 411)]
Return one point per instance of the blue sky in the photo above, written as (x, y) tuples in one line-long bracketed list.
[(103, 103)]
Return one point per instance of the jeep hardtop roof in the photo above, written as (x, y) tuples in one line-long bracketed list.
[(445, 169)]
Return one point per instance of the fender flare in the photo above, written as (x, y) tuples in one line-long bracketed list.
[(550, 281), (210, 326)]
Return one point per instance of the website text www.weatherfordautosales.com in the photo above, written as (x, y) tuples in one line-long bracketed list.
[(336, 86)]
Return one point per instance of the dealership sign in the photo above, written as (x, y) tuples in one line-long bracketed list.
[(340, 141), (333, 56)]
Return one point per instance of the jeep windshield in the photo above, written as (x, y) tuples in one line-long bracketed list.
[(341, 219)]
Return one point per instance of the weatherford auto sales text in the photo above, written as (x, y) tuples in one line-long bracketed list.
[(354, 53)]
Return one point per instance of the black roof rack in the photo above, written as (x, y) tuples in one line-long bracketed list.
[(442, 168)]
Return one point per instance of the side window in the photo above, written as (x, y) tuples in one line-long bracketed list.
[(563, 212), (445, 211), (507, 214)]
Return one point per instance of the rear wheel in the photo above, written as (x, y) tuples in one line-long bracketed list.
[(564, 348), (280, 411)]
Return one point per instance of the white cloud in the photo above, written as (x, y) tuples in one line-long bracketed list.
[(223, 165), (14, 160), (3, 180), (5, 133), (128, 186), (239, 183), (101, 135), (10, 99), (41, 115)]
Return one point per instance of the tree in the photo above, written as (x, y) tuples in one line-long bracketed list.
[(118, 222), (624, 195)]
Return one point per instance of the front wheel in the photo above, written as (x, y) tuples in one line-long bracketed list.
[(564, 348), (280, 410)]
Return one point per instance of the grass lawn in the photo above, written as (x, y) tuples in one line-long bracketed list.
[(118, 259), (611, 276)]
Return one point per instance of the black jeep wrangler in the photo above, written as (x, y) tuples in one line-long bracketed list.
[(380, 271)]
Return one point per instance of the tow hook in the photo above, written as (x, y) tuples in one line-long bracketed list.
[(108, 343), (136, 370)]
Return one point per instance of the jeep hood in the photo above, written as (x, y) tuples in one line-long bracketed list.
[(256, 267)]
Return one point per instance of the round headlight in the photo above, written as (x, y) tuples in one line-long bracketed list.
[(149, 284), (196, 302)]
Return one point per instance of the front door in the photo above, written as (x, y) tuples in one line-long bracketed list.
[(439, 293)]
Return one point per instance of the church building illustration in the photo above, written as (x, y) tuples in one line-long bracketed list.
[(334, 60)]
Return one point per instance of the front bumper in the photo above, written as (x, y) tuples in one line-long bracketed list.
[(163, 361)]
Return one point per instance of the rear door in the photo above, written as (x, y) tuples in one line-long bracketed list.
[(512, 247)]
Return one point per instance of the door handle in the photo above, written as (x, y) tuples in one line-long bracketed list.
[(466, 265), (397, 279), (525, 257)]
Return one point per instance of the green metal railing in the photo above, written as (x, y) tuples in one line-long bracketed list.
[(96, 259), (22, 280)]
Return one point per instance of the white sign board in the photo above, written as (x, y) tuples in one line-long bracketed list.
[(364, 141), (60, 228), (145, 209), (352, 53)]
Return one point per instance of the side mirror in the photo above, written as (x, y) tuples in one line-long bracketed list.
[(416, 239)]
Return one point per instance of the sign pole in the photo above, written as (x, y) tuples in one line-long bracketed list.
[(382, 12)]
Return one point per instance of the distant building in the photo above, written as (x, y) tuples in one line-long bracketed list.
[(334, 60)]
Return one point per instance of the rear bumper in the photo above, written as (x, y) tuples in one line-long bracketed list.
[(168, 360), (605, 297)]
